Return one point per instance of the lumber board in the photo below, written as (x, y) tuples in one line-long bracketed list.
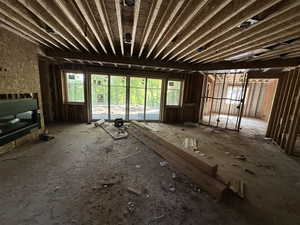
[(213, 186), (184, 154)]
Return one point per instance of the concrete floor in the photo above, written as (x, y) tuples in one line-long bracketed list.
[(82, 177)]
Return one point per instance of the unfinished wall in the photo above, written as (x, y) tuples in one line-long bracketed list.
[(258, 101), (284, 123), (189, 110), (18, 72)]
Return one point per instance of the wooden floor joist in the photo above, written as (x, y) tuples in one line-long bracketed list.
[(201, 173)]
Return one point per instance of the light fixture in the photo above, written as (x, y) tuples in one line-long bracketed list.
[(127, 38), (249, 22), (129, 3)]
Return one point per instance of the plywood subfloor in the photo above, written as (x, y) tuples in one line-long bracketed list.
[(272, 178), (82, 178)]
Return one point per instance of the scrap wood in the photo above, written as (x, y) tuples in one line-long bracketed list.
[(238, 187), (99, 123), (134, 190), (115, 133)]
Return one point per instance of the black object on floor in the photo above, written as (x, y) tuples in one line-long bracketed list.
[(119, 122)]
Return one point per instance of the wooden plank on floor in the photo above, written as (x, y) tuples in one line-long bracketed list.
[(208, 169), (212, 184)]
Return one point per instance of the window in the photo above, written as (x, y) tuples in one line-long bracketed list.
[(234, 94), (75, 87), (173, 93)]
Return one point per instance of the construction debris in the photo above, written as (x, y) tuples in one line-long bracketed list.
[(114, 132), (241, 157), (249, 171), (99, 123), (134, 190), (238, 187), (163, 163), (131, 207), (155, 219)]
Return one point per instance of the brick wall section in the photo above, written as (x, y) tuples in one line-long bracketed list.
[(19, 73)]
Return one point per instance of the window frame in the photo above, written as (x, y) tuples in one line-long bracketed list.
[(65, 87), (180, 94)]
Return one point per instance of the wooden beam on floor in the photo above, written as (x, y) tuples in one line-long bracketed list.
[(201, 173)]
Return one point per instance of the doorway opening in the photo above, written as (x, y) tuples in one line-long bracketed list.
[(222, 100), (258, 106)]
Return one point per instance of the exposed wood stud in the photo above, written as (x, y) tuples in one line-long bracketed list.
[(120, 26), (135, 23), (91, 24), (102, 14)]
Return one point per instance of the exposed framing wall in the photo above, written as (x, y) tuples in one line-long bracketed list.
[(285, 117)]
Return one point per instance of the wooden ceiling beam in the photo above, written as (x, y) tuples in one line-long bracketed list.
[(13, 13), (165, 23), (44, 16), (149, 26), (102, 13), (277, 52), (208, 13), (265, 35), (91, 23), (290, 33), (187, 15), (135, 23), (270, 74), (230, 38), (173, 65), (55, 11), (220, 28), (20, 33), (71, 13), (120, 25)]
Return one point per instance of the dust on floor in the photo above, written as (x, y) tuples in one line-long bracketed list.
[(84, 177), (272, 177)]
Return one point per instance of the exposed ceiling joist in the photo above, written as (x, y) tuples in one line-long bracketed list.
[(200, 32), (234, 16), (288, 11), (82, 5), (71, 13)]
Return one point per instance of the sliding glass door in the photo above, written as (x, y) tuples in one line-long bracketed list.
[(99, 92), (137, 98), (112, 98), (153, 100), (117, 97)]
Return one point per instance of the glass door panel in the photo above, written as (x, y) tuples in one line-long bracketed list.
[(99, 87), (153, 101), (117, 97), (137, 98)]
